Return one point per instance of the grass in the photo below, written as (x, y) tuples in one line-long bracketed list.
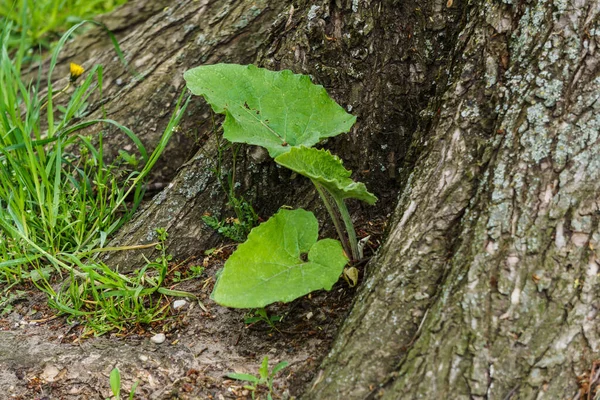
[(106, 300), (60, 201), (41, 22)]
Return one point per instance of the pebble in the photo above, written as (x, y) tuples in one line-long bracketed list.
[(158, 338), (177, 304), (50, 372)]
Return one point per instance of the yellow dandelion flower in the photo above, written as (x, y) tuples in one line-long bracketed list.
[(76, 71)]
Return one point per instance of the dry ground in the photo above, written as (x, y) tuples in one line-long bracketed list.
[(45, 357)]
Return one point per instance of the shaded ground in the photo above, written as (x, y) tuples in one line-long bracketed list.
[(44, 357)]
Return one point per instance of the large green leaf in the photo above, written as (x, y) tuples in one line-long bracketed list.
[(280, 261), (276, 110), (323, 167)]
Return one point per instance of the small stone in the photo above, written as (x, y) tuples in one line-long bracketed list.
[(143, 357), (309, 315), (75, 391), (158, 338), (177, 304), (50, 372), (259, 154)]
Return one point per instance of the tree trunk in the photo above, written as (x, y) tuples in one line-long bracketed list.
[(487, 284), (479, 115)]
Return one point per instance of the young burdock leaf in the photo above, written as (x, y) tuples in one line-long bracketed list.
[(280, 261), (325, 168), (276, 110)]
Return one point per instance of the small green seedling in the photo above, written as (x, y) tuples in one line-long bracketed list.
[(260, 314), (194, 272), (8, 298), (130, 159), (115, 385), (237, 228), (264, 378)]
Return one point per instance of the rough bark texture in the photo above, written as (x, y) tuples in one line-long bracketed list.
[(480, 114), (488, 289)]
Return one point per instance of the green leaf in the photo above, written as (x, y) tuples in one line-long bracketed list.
[(133, 388), (275, 110), (264, 369), (270, 266), (243, 377), (178, 293), (115, 382), (325, 168), (279, 367)]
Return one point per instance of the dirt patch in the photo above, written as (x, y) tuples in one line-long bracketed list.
[(44, 357)]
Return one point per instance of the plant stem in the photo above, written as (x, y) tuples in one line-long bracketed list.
[(61, 91), (232, 199), (334, 217), (349, 226), (119, 248)]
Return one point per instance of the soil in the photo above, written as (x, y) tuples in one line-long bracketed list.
[(43, 356)]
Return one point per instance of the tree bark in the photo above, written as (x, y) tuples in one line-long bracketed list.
[(480, 117), (487, 284)]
